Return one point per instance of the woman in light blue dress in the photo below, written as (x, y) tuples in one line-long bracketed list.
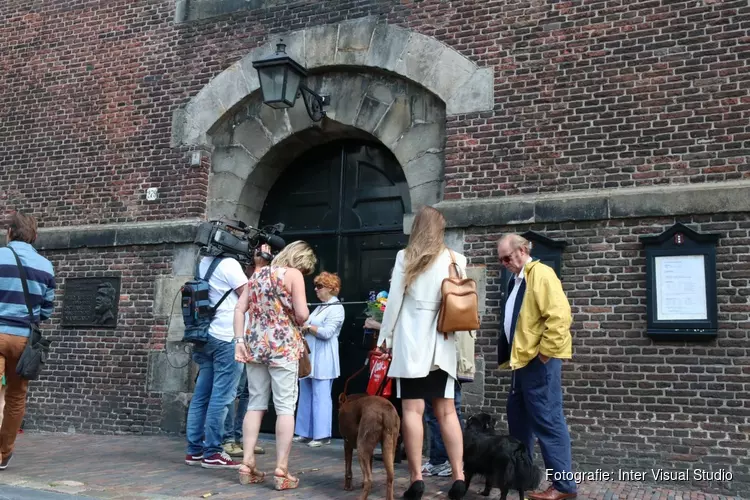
[(321, 330)]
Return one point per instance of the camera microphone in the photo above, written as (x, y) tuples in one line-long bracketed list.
[(275, 241)]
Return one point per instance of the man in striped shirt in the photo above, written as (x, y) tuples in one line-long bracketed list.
[(15, 322)]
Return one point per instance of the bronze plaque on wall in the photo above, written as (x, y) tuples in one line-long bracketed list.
[(91, 302)]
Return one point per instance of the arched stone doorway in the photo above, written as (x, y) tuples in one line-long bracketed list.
[(353, 178), (347, 198)]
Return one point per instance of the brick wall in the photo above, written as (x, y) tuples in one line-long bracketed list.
[(95, 380), (600, 94), (631, 402), (588, 95)]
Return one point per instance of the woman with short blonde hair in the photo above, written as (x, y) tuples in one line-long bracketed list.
[(297, 255)]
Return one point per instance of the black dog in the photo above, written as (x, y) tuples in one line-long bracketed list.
[(503, 461)]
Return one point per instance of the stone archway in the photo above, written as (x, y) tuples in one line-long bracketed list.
[(394, 84), (253, 146)]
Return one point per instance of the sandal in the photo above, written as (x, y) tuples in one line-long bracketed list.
[(285, 482), (251, 475)]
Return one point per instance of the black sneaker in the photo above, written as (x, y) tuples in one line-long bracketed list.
[(6, 461)]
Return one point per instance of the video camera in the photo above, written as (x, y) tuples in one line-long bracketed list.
[(234, 238)]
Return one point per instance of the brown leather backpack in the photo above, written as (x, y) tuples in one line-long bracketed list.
[(459, 308)]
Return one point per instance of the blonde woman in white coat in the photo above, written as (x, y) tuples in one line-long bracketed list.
[(424, 361)]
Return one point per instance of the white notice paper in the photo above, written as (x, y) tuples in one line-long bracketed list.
[(681, 288)]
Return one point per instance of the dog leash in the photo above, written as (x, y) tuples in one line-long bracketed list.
[(342, 396)]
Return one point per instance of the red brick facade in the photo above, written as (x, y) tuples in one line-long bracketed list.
[(599, 95), (587, 95)]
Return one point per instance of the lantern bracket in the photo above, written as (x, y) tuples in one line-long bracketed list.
[(313, 102)]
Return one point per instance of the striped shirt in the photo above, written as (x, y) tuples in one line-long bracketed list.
[(14, 315)]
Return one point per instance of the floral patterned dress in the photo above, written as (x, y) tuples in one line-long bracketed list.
[(272, 335)]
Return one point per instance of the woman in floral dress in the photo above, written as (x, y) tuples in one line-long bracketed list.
[(271, 348)]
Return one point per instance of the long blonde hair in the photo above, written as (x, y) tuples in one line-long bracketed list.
[(426, 243), (298, 255)]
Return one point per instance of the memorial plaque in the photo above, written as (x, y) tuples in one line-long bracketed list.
[(91, 302)]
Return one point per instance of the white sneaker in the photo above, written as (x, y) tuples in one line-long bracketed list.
[(300, 439), (315, 443), (427, 469), (442, 470)]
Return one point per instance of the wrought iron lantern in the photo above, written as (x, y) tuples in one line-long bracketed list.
[(282, 81)]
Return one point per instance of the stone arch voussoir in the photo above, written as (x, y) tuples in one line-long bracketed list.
[(362, 43)]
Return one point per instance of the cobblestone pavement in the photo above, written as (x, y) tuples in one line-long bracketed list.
[(137, 467)]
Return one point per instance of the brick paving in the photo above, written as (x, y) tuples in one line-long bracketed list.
[(137, 467)]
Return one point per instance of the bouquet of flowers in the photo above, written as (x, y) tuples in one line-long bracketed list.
[(376, 305)]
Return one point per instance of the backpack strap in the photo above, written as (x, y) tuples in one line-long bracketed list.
[(211, 268), (453, 266), (222, 299), (209, 273), (24, 284)]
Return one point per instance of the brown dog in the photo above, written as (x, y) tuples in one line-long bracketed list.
[(365, 421)]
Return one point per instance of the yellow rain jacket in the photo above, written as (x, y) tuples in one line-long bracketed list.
[(543, 324)]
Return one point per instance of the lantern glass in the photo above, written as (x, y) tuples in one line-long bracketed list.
[(272, 86), (293, 79)]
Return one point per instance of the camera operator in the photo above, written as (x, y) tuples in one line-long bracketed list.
[(219, 373)]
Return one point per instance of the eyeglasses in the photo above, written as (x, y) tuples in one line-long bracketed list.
[(318, 286), (506, 258)]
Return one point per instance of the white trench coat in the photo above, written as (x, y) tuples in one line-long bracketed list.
[(409, 325)]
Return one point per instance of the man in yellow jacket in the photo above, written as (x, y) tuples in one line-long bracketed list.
[(534, 340)]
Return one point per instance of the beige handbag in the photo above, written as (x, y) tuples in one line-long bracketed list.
[(459, 307)]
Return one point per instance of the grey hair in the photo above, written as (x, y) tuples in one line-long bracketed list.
[(516, 241)]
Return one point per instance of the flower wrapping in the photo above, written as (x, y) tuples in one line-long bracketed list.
[(380, 384)]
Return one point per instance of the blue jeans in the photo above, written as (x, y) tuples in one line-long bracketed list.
[(438, 455), (215, 388), (233, 422), (535, 409)]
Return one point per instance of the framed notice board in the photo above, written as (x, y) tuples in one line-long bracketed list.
[(681, 284)]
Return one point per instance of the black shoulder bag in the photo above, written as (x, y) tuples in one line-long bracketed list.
[(34, 355)]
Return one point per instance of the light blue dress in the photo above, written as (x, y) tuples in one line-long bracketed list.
[(315, 409)]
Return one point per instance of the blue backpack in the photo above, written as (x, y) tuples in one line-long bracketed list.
[(197, 312)]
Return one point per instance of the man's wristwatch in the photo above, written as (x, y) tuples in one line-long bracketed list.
[(235, 340)]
